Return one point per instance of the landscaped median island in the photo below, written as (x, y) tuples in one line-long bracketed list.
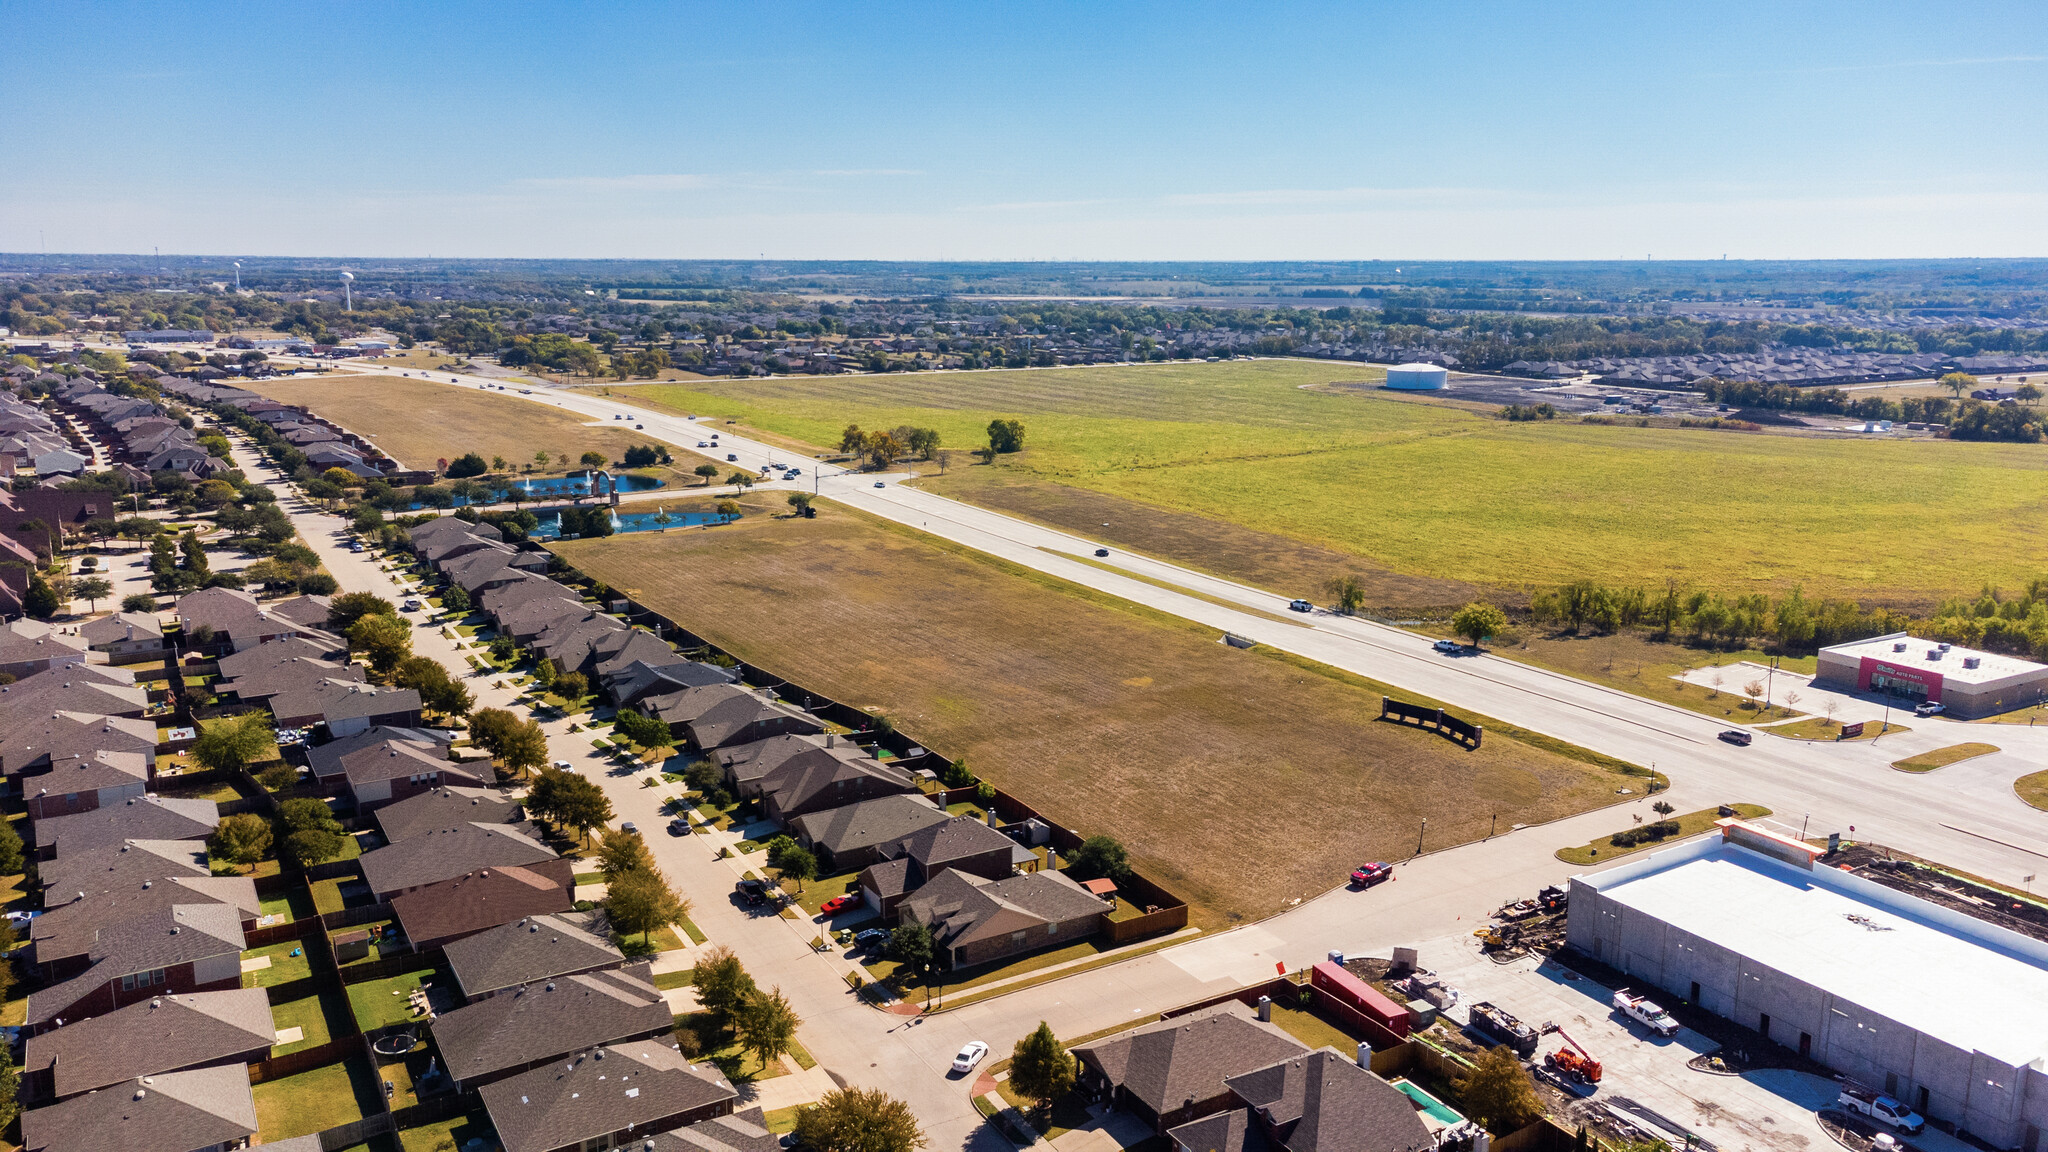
[(1822, 728), (2033, 788), (1943, 757), (1666, 830)]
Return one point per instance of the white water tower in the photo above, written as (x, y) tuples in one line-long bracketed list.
[(238, 276), (348, 297)]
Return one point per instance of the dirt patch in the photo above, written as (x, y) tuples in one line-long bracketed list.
[(1261, 559), (1239, 780)]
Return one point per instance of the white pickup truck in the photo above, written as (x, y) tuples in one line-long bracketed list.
[(1640, 1010), (1880, 1108)]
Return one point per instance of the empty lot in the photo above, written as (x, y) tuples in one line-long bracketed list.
[(418, 421), (1238, 779)]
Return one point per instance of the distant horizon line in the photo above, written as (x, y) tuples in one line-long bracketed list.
[(24, 256)]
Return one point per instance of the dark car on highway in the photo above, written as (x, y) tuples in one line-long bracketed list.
[(1738, 736)]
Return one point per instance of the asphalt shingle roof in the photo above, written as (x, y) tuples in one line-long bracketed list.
[(154, 1036), (538, 948), (174, 1112), (544, 1020)]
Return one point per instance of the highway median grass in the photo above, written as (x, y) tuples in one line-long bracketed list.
[(2033, 788), (1943, 757), (1822, 728), (1690, 824), (1107, 716)]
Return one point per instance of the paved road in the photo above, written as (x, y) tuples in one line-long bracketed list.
[(1966, 821)]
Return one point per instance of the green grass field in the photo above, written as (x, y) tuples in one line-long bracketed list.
[(1442, 492), (1943, 757)]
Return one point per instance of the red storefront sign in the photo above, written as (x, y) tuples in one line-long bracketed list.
[(1889, 674)]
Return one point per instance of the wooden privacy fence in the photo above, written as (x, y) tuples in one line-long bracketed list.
[(1429, 716)]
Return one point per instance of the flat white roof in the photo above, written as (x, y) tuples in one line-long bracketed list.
[(1890, 961), (1990, 665)]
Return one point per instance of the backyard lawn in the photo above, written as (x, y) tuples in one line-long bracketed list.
[(283, 968), (378, 1003), (322, 1017), (314, 1101)]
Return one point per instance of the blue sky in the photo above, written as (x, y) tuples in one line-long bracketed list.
[(1375, 129)]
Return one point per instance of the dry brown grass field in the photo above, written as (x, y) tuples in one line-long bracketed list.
[(1241, 780), (418, 421)]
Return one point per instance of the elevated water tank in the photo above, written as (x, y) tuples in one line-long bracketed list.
[(1418, 377)]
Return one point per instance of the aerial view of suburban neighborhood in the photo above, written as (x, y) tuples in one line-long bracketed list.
[(673, 577)]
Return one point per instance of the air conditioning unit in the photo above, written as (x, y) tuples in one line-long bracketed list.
[(1899, 646), (1972, 662)]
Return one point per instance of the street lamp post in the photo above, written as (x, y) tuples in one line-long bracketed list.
[(1420, 835)]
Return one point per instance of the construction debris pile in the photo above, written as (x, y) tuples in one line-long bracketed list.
[(1903, 873), (1526, 926)]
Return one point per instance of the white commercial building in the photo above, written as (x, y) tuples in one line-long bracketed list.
[(1967, 683), (1943, 1011)]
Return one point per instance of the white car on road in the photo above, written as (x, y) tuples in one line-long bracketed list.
[(970, 1056)]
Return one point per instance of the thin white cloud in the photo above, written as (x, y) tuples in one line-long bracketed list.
[(1029, 205), (1887, 66), (867, 172), (649, 182), (1285, 196)]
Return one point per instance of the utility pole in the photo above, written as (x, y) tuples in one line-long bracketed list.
[(1420, 835)]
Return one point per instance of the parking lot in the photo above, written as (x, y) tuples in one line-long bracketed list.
[(1646, 1077)]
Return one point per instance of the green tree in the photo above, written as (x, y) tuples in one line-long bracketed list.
[(468, 464), (10, 1079), (1005, 436), (582, 805), (524, 748), (312, 835), (1041, 1068), (1498, 1092), (242, 838), (640, 902), (455, 601), (92, 590), (801, 501), (766, 1026), (141, 602), (277, 776), (798, 864), (1958, 383), (859, 1120), (1478, 620), (572, 687), (741, 479), (232, 743), (195, 554), (910, 945), (594, 459), (383, 640), (439, 692), (11, 853), (722, 983), (344, 610), (1347, 592), (646, 731), (707, 471), (488, 728), (41, 601), (1102, 856), (621, 852)]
